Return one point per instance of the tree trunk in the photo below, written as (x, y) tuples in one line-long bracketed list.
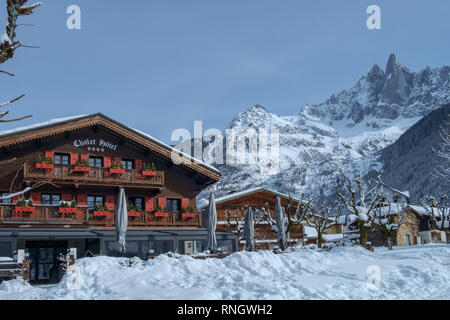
[(389, 242), (362, 234), (319, 239)]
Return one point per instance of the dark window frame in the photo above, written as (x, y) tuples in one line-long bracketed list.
[(62, 159), (170, 205), (5, 201), (91, 204), (51, 201), (137, 201), (96, 162), (128, 164)]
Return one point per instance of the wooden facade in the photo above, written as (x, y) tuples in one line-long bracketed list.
[(75, 168), (237, 203), (20, 169)]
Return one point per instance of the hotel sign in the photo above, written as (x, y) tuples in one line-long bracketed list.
[(99, 145)]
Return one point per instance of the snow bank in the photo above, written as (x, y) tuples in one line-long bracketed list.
[(418, 272)]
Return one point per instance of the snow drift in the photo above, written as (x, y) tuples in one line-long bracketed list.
[(417, 272)]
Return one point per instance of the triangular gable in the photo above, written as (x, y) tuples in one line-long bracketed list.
[(51, 128)]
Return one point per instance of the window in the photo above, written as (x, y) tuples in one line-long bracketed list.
[(5, 249), (397, 198), (95, 200), (128, 164), (155, 247), (96, 162), (225, 245), (5, 201), (113, 249), (62, 159), (51, 199), (138, 202), (192, 246), (173, 205)]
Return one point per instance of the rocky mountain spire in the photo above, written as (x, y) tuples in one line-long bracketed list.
[(392, 64)]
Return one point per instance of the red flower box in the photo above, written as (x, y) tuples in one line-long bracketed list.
[(101, 213), (134, 214), (46, 166), (146, 173), (161, 214), (82, 169), (186, 215), (68, 210), (116, 171), (25, 209)]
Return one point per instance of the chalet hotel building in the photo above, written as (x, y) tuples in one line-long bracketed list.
[(74, 168)]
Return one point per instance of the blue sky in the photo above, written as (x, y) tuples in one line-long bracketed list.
[(160, 65)]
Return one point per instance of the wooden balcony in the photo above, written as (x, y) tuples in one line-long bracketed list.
[(9, 214), (96, 176)]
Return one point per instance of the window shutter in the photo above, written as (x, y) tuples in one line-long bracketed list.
[(82, 200), (67, 197), (184, 203), (107, 162), (162, 203), (73, 159), (84, 157), (149, 204), (109, 199), (138, 163), (36, 197), (117, 160), (50, 154)]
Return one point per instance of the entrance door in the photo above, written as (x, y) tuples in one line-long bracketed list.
[(408, 240), (44, 260)]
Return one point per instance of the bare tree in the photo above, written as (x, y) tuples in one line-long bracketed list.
[(235, 222), (443, 151), (358, 205), (389, 220), (9, 44), (321, 218), (293, 216), (438, 211)]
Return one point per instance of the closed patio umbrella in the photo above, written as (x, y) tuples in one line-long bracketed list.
[(121, 219), (281, 228), (212, 222), (249, 230)]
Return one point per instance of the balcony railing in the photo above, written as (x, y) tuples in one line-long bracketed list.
[(10, 214), (42, 215), (96, 175)]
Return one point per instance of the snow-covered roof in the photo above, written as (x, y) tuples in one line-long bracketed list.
[(422, 211), (251, 191), (39, 125), (57, 121), (310, 232), (333, 236)]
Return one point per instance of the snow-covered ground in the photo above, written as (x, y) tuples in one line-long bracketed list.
[(416, 272)]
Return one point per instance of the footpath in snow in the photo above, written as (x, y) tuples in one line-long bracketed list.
[(416, 272)]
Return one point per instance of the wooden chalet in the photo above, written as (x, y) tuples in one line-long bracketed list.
[(234, 205), (72, 169)]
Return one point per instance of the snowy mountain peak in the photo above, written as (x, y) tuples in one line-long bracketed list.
[(392, 64), (341, 137), (379, 98), (375, 73), (256, 116)]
